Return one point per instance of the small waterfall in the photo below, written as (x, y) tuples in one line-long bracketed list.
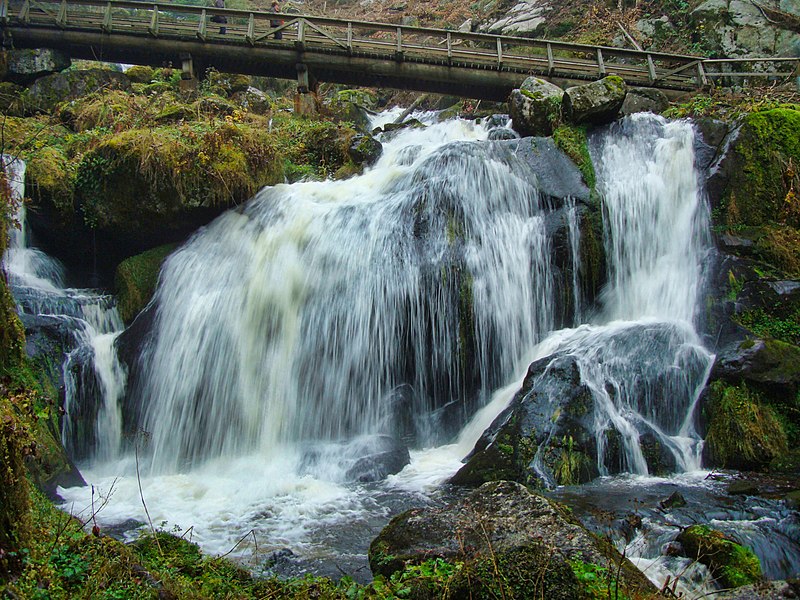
[(83, 322)]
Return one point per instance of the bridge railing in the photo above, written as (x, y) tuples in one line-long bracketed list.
[(385, 41)]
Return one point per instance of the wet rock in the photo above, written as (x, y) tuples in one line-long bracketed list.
[(535, 107), (597, 102), (732, 564), (771, 365), (644, 100), (46, 92), (388, 456), (502, 133), (743, 487), (365, 149), (675, 500), (501, 532), (25, 66)]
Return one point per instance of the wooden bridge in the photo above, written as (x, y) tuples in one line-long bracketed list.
[(472, 65)]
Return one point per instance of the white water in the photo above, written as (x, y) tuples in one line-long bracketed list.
[(37, 283), (324, 311)]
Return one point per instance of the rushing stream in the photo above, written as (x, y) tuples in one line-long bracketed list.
[(325, 324)]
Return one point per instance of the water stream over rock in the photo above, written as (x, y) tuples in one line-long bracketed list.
[(297, 348)]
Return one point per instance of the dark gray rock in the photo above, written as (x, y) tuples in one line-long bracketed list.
[(508, 531), (535, 107), (254, 100), (644, 100), (597, 102), (675, 500), (364, 149), (765, 590), (25, 66), (743, 487), (363, 459)]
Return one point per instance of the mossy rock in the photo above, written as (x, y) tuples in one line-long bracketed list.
[(731, 564), (136, 280), (572, 140), (50, 178), (174, 112), (765, 158), (11, 98), (141, 74), (215, 105), (744, 433)]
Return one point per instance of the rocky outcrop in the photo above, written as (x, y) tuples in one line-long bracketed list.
[(25, 66), (597, 102), (46, 92), (253, 100), (741, 29), (535, 107), (503, 537), (526, 18)]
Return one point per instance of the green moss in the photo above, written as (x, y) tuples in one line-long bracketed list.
[(743, 431), (50, 178), (592, 253), (140, 74), (732, 564), (136, 279), (763, 324), (570, 465), (768, 153), (779, 245), (571, 139), (598, 582)]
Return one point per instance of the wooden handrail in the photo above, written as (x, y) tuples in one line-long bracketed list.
[(354, 37)]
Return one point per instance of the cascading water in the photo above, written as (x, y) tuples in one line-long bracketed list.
[(85, 324), (288, 332)]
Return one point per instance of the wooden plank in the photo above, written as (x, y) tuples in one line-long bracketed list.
[(399, 41), (349, 37), (701, 73), (499, 52), (601, 67), (4, 11), (449, 47), (550, 62), (651, 69), (330, 37), (25, 12)]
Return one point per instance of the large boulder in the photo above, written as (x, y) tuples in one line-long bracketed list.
[(731, 564), (47, 92), (503, 538), (25, 66), (535, 107), (608, 399), (253, 100), (364, 149), (597, 102), (644, 100)]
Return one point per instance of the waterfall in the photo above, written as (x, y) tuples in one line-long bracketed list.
[(83, 322), (392, 302)]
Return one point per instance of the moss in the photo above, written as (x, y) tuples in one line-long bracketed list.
[(136, 279), (779, 245), (572, 140), (570, 465), (764, 324), (592, 253), (743, 431), (732, 564), (768, 154), (141, 74), (50, 178)]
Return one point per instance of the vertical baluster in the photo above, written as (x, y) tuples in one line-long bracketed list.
[(449, 47), (701, 73), (201, 28), (551, 63), (601, 66), (61, 18), (251, 30), (349, 37), (651, 68), (499, 52), (106, 27), (399, 42), (154, 21)]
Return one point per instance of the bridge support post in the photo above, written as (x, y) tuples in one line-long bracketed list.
[(188, 74), (306, 103)]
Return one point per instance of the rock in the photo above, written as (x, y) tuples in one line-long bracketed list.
[(501, 532), (742, 487), (365, 149), (535, 107), (771, 365), (215, 105), (25, 66), (525, 18), (141, 74), (11, 99), (409, 21), (352, 106), (363, 459), (644, 100), (732, 564), (598, 102), (656, 29), (763, 590), (466, 26), (386, 456), (787, 464), (46, 92), (793, 500), (502, 133), (253, 100), (675, 500)]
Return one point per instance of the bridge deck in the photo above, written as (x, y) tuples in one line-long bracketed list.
[(346, 51)]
